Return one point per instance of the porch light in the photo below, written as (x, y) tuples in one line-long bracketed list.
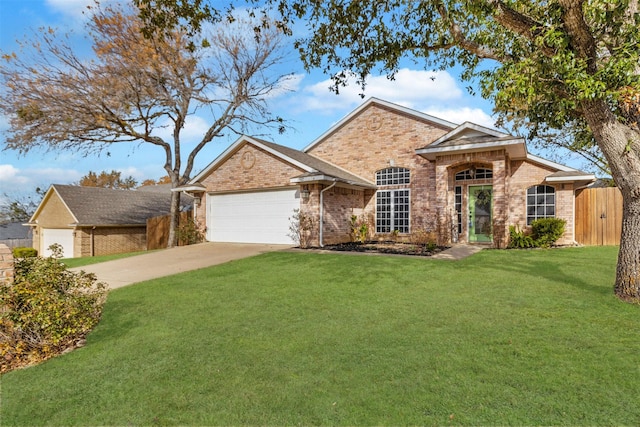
[(304, 194)]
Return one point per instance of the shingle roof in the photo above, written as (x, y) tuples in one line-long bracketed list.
[(14, 230), (104, 206), (322, 167)]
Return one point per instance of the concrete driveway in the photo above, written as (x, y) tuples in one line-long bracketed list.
[(125, 271)]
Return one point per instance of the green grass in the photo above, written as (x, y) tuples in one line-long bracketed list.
[(81, 262), (500, 338)]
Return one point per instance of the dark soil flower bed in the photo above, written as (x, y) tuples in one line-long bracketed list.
[(398, 248)]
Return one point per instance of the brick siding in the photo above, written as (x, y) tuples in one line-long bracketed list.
[(379, 138), (109, 240), (6, 265)]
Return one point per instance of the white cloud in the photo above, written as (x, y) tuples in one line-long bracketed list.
[(72, 8), (410, 88), (194, 129), (461, 115), (12, 177)]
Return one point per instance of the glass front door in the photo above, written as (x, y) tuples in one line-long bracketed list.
[(480, 203)]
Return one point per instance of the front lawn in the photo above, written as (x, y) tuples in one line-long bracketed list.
[(501, 338)]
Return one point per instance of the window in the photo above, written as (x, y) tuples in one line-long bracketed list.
[(474, 173), (458, 206), (541, 203), (392, 211), (392, 205), (393, 176)]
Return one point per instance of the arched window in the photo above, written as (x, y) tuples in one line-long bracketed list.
[(473, 173), (393, 206), (541, 202)]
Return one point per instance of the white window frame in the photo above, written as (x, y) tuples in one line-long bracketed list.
[(399, 213), (541, 202)]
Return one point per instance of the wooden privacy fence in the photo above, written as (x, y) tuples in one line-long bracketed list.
[(158, 230), (598, 217)]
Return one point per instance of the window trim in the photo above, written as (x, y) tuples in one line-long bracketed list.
[(546, 193), (393, 224), (478, 173), (387, 176)]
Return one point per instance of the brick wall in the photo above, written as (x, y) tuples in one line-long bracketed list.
[(446, 168), (526, 174), (250, 168), (109, 240), (6, 265), (380, 138)]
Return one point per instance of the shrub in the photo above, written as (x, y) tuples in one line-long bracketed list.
[(424, 238), (546, 231), (359, 228), (520, 239), (24, 252), (46, 310), (190, 233), (301, 227)]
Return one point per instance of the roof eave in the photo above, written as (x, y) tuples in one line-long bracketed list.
[(515, 147), (571, 178), (193, 188), (323, 179), (83, 225)]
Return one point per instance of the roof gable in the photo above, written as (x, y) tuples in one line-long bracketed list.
[(470, 137), (313, 167), (388, 105), (284, 155), (51, 193)]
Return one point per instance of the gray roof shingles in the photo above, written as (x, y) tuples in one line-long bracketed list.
[(321, 166), (104, 206)]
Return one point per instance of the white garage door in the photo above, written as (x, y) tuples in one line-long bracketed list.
[(260, 217), (61, 236)]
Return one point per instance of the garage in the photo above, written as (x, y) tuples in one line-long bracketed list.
[(251, 217), (61, 236)]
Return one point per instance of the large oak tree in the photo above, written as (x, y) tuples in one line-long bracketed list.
[(569, 67), (132, 87)]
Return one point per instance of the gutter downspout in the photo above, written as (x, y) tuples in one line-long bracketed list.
[(322, 209)]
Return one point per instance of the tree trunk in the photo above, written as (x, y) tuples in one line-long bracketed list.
[(621, 146), (174, 219), (628, 271)]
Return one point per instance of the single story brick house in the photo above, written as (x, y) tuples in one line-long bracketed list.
[(400, 170), (91, 221)]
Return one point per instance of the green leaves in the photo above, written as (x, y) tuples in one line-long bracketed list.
[(45, 311)]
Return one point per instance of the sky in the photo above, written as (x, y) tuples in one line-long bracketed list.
[(310, 108)]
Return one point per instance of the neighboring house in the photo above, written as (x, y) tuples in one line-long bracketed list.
[(91, 221), (14, 234), (402, 170)]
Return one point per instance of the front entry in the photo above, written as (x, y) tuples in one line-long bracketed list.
[(480, 222)]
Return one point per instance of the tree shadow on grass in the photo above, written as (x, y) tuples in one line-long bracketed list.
[(568, 271)]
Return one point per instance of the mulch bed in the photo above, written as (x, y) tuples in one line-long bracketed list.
[(396, 248)]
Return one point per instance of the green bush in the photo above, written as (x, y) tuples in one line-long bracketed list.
[(24, 252), (46, 310), (546, 231), (520, 239)]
